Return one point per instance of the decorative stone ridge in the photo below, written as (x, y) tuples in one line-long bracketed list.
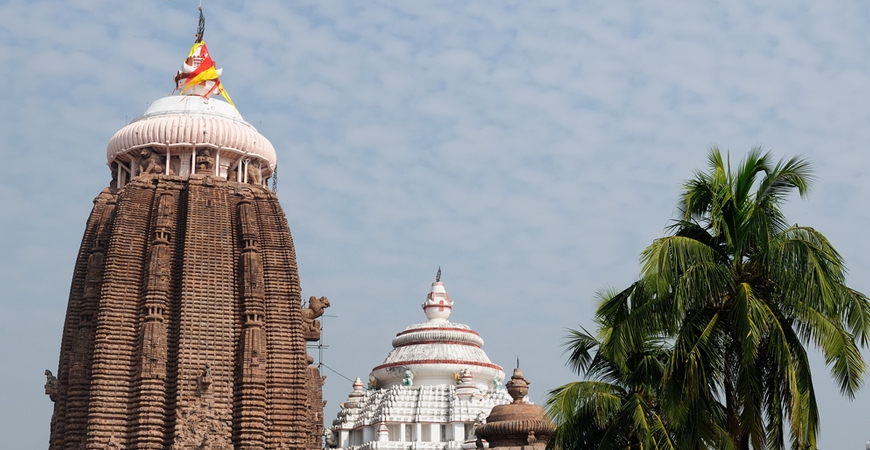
[(184, 328)]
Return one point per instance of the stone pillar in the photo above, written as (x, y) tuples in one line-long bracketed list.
[(151, 390), (250, 404)]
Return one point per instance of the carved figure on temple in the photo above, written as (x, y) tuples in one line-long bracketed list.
[(200, 427), (204, 381), (150, 162), (480, 419), (50, 385), (464, 374), (114, 183), (331, 438), (113, 444), (254, 176), (408, 380), (204, 161), (496, 383), (313, 311)]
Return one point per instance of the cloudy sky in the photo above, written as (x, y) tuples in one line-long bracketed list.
[(530, 149)]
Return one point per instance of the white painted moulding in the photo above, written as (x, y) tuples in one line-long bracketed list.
[(192, 121)]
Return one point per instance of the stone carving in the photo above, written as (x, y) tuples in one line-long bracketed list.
[(497, 383), (480, 419), (466, 389), (465, 376), (253, 352), (254, 176), (153, 364), (158, 268), (204, 162), (203, 382), (113, 444), (201, 428), (518, 387), (114, 169), (311, 313), (81, 349), (149, 332), (408, 380), (150, 162), (51, 387), (331, 438), (94, 274), (165, 208), (518, 424)]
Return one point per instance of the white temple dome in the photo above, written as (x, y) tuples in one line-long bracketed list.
[(435, 387), (436, 351), (188, 121), (192, 134)]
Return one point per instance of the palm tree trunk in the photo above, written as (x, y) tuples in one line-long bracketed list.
[(732, 409)]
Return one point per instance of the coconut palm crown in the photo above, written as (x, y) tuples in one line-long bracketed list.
[(739, 293)]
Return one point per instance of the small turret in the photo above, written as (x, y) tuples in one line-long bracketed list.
[(518, 424), (438, 304)]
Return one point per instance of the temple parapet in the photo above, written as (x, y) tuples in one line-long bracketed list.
[(185, 135)]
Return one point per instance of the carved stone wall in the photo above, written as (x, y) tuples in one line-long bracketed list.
[(184, 327)]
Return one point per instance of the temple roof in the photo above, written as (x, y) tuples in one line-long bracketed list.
[(182, 122), (518, 425), (435, 352), (194, 121)]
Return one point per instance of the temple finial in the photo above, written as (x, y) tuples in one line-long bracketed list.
[(199, 75), (438, 275), (200, 28)]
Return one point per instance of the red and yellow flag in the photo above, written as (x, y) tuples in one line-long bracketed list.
[(206, 71)]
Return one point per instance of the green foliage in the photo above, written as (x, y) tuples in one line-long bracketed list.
[(736, 293)]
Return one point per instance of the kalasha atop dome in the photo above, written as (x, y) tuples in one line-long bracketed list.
[(192, 133), (428, 393)]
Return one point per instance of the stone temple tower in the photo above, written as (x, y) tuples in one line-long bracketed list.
[(185, 327)]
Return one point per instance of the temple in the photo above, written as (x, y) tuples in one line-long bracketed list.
[(185, 327), (192, 134), (429, 393)]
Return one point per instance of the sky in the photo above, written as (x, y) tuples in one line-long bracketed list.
[(531, 150)]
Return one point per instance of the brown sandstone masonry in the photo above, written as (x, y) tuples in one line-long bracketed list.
[(184, 327)]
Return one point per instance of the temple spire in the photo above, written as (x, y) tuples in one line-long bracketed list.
[(199, 74), (438, 304), (200, 28)]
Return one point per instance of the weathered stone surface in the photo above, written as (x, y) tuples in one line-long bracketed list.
[(517, 425), (184, 328)]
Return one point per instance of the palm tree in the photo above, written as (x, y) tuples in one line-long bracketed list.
[(616, 406), (740, 292), (731, 296)]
